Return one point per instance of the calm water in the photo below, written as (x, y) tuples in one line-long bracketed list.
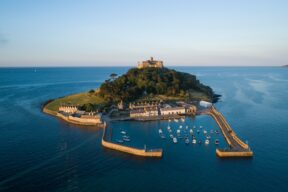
[(41, 153)]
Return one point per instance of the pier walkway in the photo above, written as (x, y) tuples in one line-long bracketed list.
[(237, 148)]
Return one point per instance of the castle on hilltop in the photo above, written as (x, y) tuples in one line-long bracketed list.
[(150, 63)]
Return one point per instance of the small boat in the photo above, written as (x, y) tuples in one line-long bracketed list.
[(162, 136), (198, 131), (211, 132), (176, 120), (204, 131), (160, 131), (186, 141), (194, 127), (126, 139), (186, 127), (174, 140), (201, 126), (169, 120), (119, 141), (194, 141), (217, 142), (217, 132), (168, 127), (123, 132), (182, 119), (191, 131), (178, 131), (199, 142), (206, 142), (180, 127), (208, 137), (171, 136), (169, 130)]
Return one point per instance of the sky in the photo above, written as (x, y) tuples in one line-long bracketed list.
[(122, 32)]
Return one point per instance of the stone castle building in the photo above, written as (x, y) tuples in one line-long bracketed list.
[(150, 63)]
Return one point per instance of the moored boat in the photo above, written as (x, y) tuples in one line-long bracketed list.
[(206, 142), (217, 142), (174, 140), (194, 141)]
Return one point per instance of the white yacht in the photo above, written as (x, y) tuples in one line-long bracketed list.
[(194, 141), (206, 142), (174, 140)]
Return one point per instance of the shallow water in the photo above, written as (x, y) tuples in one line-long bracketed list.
[(42, 153)]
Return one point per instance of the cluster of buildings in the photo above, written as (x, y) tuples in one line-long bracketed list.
[(72, 113), (158, 109)]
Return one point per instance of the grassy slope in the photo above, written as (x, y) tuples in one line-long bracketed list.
[(76, 99)]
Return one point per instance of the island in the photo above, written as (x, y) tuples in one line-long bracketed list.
[(146, 93)]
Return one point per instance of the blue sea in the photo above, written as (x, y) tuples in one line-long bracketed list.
[(39, 152)]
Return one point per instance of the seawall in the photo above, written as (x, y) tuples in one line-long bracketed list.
[(131, 150), (221, 153)]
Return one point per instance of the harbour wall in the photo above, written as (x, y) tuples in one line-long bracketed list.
[(221, 153), (131, 150), (74, 120)]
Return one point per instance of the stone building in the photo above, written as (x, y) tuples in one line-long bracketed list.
[(150, 63), (173, 111), (70, 109)]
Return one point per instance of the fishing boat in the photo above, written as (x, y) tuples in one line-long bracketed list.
[(123, 132), (206, 142), (217, 142), (186, 141), (194, 141), (191, 131), (174, 140)]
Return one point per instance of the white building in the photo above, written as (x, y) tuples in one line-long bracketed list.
[(205, 104), (173, 111)]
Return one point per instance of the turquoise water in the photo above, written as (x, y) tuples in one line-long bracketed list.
[(42, 153)]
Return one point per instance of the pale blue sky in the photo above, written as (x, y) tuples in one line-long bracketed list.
[(118, 33)]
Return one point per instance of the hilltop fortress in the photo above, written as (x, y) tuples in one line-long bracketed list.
[(150, 63)]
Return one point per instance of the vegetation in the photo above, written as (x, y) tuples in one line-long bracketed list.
[(139, 83), (84, 100)]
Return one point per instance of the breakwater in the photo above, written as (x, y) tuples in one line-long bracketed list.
[(237, 148), (131, 150)]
